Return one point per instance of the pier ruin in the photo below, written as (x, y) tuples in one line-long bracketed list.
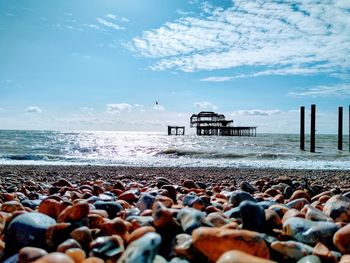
[(211, 123)]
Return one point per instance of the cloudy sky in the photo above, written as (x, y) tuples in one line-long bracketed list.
[(102, 64)]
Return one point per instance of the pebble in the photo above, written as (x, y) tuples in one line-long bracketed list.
[(107, 247), (309, 232), (239, 196), (27, 229), (77, 254), (74, 213), (338, 208), (253, 216), (55, 257), (310, 259), (143, 249), (111, 207), (236, 256), (29, 254), (341, 239), (213, 242), (191, 219), (292, 249)]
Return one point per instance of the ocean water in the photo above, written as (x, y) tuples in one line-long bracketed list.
[(159, 150)]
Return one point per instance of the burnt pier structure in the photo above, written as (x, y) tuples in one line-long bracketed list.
[(211, 123)]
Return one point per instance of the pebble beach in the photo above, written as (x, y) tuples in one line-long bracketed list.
[(135, 214)]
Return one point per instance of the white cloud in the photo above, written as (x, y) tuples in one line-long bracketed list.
[(2, 110), (205, 105), (94, 26), (324, 91), (301, 37), (158, 107), (256, 112), (118, 107), (111, 16), (109, 24), (217, 79), (33, 109)]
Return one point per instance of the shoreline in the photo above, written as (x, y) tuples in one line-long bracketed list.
[(77, 173)]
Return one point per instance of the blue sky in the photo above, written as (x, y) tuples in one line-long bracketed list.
[(102, 64)]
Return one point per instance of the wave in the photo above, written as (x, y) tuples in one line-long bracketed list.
[(31, 157), (220, 155)]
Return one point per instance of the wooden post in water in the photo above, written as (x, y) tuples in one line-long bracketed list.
[(340, 128), (349, 128), (313, 128), (302, 128)]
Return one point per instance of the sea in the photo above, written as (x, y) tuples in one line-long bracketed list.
[(152, 149)]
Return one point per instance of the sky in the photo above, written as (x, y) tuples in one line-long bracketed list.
[(103, 64)]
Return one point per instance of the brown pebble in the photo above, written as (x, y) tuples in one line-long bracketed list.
[(29, 254), (74, 213), (50, 207), (213, 242), (77, 254), (136, 234), (69, 243), (236, 256), (341, 239), (345, 259), (93, 260), (55, 257)]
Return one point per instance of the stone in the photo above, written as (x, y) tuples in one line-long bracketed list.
[(310, 259), (163, 217), (213, 242), (233, 213), (111, 207), (57, 234), (292, 249), (77, 254), (248, 187), (143, 249), (74, 213), (325, 254), (236, 256), (145, 202), (69, 243), (83, 235), (298, 203), (29, 254), (341, 239), (50, 207), (314, 214), (239, 196), (12, 206), (27, 229), (139, 232), (217, 219), (183, 247), (253, 216), (107, 247), (93, 260), (191, 219), (292, 213), (345, 259), (300, 194), (190, 184), (116, 226), (55, 257), (273, 220), (338, 208), (309, 232)]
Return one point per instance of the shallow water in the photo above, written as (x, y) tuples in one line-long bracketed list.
[(158, 149)]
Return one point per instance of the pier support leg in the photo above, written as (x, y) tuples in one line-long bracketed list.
[(340, 128), (302, 128), (313, 128)]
